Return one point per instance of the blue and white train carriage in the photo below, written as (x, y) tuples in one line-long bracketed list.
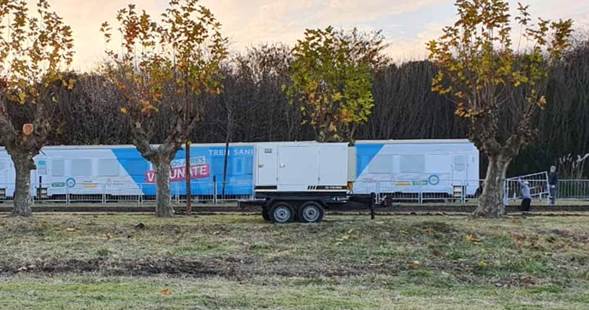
[(262, 169), (122, 171), (416, 166)]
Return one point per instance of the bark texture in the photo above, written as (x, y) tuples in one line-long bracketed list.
[(160, 156), (163, 197), (23, 164), (491, 200)]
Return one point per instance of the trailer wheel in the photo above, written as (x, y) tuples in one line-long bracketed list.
[(265, 213), (311, 212), (281, 213)]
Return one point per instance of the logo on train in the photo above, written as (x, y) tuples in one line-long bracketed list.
[(199, 169)]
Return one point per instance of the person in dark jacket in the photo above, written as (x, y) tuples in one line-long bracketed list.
[(553, 184)]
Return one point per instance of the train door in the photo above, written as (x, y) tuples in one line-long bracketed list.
[(39, 175), (459, 169)]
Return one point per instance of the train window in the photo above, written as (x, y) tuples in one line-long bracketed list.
[(412, 163), (57, 168), (382, 164), (108, 168), (460, 163), (81, 167), (237, 166), (249, 163)]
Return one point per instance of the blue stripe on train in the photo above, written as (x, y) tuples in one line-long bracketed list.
[(365, 153), (207, 164)]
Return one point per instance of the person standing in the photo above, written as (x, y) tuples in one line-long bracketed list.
[(553, 184), (526, 195)]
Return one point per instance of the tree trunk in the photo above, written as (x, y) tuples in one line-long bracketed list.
[(491, 200), (163, 198), (23, 164)]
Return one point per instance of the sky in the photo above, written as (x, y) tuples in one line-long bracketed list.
[(406, 24)]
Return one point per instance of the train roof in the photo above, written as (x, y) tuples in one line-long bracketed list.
[(408, 141), (416, 141), (124, 146)]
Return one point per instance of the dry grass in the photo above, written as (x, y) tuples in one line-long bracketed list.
[(236, 262)]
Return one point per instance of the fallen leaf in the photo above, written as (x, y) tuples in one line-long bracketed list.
[(414, 264), (473, 238), (166, 292)]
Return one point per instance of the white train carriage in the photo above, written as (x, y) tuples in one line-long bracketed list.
[(431, 167)]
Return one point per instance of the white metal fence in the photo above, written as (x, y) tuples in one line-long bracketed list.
[(538, 183), (125, 194), (466, 192)]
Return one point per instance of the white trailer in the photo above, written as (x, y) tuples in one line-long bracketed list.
[(296, 180)]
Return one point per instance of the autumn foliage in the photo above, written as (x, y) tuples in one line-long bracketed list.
[(165, 64), (491, 78), (332, 80), (35, 49)]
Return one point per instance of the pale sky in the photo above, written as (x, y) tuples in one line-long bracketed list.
[(406, 24)]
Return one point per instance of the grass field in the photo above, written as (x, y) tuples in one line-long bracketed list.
[(239, 262)]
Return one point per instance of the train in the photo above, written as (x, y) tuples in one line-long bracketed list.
[(270, 173)]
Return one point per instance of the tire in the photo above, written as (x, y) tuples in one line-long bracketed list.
[(311, 212), (281, 213), (265, 214)]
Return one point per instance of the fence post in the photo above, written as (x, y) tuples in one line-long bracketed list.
[(371, 206), (104, 188), (215, 190), (141, 195)]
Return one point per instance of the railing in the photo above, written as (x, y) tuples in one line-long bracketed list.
[(538, 183), (573, 189), (125, 193), (468, 191), (463, 192), (433, 190)]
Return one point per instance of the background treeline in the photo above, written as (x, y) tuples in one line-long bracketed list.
[(253, 107)]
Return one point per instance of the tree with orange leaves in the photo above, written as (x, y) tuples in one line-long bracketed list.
[(34, 51), (493, 82), (165, 66)]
